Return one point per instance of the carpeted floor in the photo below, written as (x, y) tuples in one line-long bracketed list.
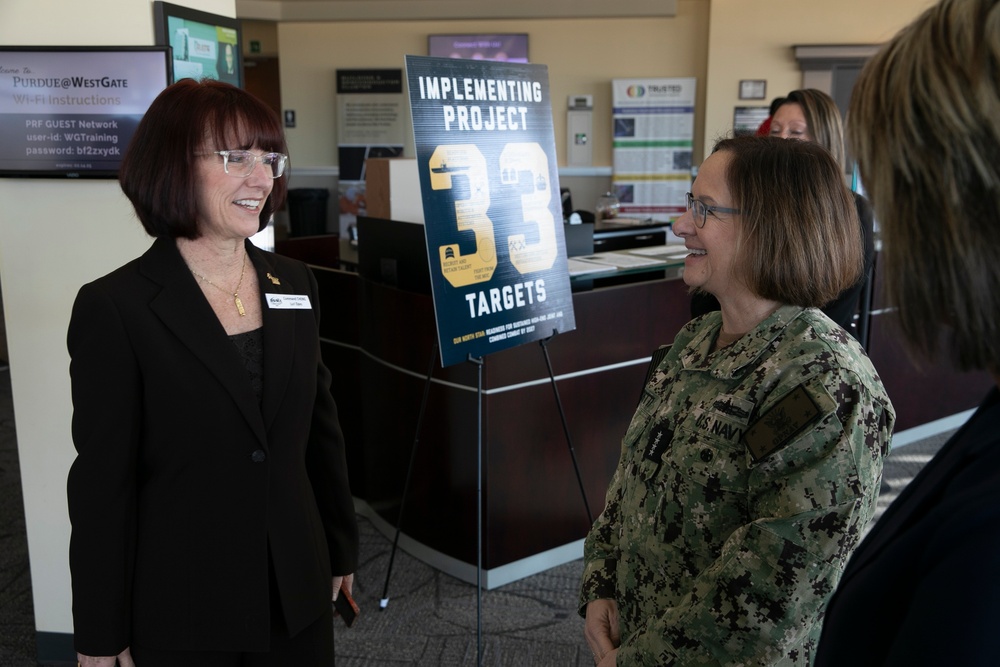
[(17, 618), (431, 618)]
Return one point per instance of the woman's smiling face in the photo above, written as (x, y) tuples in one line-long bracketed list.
[(229, 205), (713, 247)]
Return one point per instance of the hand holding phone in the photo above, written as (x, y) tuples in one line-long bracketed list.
[(346, 607)]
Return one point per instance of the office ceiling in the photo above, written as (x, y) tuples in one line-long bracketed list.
[(403, 10)]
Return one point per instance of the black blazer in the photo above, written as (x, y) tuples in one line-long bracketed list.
[(184, 486), (843, 308), (924, 586)]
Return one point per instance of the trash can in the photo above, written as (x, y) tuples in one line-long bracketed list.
[(307, 211)]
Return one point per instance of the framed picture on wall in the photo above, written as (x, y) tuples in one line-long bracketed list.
[(203, 44), (753, 89)]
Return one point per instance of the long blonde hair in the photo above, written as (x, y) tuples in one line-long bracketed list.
[(924, 123)]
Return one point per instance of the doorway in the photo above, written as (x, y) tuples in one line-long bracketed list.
[(262, 78)]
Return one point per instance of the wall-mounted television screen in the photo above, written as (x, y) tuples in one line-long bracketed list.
[(70, 111), (506, 47), (204, 45)]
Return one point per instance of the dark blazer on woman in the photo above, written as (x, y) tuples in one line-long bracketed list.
[(186, 489), (924, 586), (843, 308)]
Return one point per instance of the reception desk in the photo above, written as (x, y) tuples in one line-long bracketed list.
[(379, 342)]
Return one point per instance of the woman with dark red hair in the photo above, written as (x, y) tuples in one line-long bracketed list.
[(209, 499)]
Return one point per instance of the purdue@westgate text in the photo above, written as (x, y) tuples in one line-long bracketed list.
[(476, 117)]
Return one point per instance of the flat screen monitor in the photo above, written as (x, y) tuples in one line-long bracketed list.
[(204, 45), (70, 111), (505, 47), (393, 253)]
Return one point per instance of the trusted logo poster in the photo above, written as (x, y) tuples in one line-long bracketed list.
[(492, 209)]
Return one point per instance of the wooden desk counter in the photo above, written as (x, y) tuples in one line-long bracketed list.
[(380, 354)]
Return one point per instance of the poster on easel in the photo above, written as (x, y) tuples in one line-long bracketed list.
[(653, 130), (371, 122), (489, 182)]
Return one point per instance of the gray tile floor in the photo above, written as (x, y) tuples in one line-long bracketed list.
[(431, 618)]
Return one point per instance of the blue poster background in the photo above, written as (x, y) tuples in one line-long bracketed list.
[(489, 182)]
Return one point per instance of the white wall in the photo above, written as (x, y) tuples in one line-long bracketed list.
[(56, 235)]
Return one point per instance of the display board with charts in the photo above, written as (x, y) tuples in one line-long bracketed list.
[(653, 127)]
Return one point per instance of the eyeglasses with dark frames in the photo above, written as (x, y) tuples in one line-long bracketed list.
[(701, 210)]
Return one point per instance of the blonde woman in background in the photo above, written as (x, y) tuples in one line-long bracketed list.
[(924, 587)]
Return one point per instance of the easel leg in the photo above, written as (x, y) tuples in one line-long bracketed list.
[(479, 496), (384, 602), (565, 425), (478, 361)]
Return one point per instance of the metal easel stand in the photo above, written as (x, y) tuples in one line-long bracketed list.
[(479, 362), (562, 415), (384, 602)]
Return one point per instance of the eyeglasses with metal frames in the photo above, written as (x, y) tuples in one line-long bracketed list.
[(241, 163), (701, 210)]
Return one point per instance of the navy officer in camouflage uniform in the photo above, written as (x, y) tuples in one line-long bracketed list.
[(753, 462)]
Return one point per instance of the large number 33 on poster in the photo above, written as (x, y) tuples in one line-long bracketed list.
[(523, 166)]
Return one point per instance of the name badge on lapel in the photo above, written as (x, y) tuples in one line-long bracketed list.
[(288, 301)]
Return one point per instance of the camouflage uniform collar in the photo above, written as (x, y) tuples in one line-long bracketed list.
[(729, 362)]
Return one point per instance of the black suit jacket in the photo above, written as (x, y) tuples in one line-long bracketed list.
[(843, 308), (924, 586), (184, 486)]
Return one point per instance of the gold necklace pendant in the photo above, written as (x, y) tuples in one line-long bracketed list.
[(236, 292)]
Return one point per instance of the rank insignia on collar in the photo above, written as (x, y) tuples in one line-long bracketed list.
[(659, 440)]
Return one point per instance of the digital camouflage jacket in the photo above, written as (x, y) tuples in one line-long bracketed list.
[(747, 477)]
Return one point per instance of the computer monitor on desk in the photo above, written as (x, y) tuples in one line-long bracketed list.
[(393, 253), (579, 239)]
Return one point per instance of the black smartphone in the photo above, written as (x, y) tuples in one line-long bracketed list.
[(346, 607)]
